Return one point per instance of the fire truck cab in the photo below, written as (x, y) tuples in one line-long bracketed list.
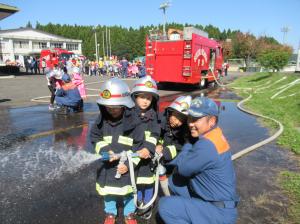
[(187, 57), (55, 56)]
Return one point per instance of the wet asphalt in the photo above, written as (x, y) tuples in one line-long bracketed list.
[(37, 185)]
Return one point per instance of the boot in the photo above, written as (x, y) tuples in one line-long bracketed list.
[(51, 107), (110, 219), (145, 213), (130, 219)]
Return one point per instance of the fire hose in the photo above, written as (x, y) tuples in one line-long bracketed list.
[(159, 168), (261, 143), (127, 155)]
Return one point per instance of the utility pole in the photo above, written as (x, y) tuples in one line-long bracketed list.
[(106, 39), (96, 44), (164, 7), (285, 30), (103, 45), (109, 43)]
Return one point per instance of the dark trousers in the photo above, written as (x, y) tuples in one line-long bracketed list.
[(52, 91)]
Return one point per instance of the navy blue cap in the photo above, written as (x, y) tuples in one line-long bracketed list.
[(203, 106)]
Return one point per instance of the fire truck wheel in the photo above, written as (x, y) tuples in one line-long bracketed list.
[(203, 83)]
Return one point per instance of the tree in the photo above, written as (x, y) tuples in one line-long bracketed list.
[(244, 46), (274, 59), (213, 32), (227, 49), (265, 43), (28, 25)]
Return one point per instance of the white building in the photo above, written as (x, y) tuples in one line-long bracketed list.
[(15, 44)]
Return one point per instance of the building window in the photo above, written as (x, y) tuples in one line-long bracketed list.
[(56, 45), (39, 45), (21, 44), (72, 47)]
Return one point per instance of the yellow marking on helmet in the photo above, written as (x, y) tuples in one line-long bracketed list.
[(106, 94), (184, 105), (149, 84)]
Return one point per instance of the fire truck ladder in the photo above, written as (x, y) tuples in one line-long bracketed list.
[(187, 55)]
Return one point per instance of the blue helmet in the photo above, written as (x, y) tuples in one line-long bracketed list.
[(203, 106)]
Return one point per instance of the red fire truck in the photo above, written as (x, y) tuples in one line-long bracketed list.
[(55, 56), (187, 57)]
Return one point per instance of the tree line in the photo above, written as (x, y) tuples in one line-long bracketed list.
[(130, 42)]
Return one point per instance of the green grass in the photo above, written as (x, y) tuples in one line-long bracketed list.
[(287, 111), (290, 182)]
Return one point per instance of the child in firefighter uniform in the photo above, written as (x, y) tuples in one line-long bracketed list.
[(174, 129), (146, 97), (114, 132), (53, 77), (204, 182)]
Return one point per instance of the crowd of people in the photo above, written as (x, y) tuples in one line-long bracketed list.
[(115, 68), (187, 138)]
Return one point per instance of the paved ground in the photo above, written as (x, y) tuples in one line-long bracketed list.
[(20, 90), (30, 196)]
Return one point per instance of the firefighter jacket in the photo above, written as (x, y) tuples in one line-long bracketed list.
[(208, 166), (148, 125), (172, 139), (116, 136)]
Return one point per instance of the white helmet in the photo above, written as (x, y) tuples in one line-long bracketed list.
[(145, 84), (115, 92), (57, 73), (181, 104)]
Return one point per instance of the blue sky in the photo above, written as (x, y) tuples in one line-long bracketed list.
[(260, 17)]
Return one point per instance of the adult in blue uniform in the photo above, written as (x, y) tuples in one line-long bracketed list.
[(67, 96), (204, 183)]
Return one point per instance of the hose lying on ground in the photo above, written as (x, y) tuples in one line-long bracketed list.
[(261, 143)]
